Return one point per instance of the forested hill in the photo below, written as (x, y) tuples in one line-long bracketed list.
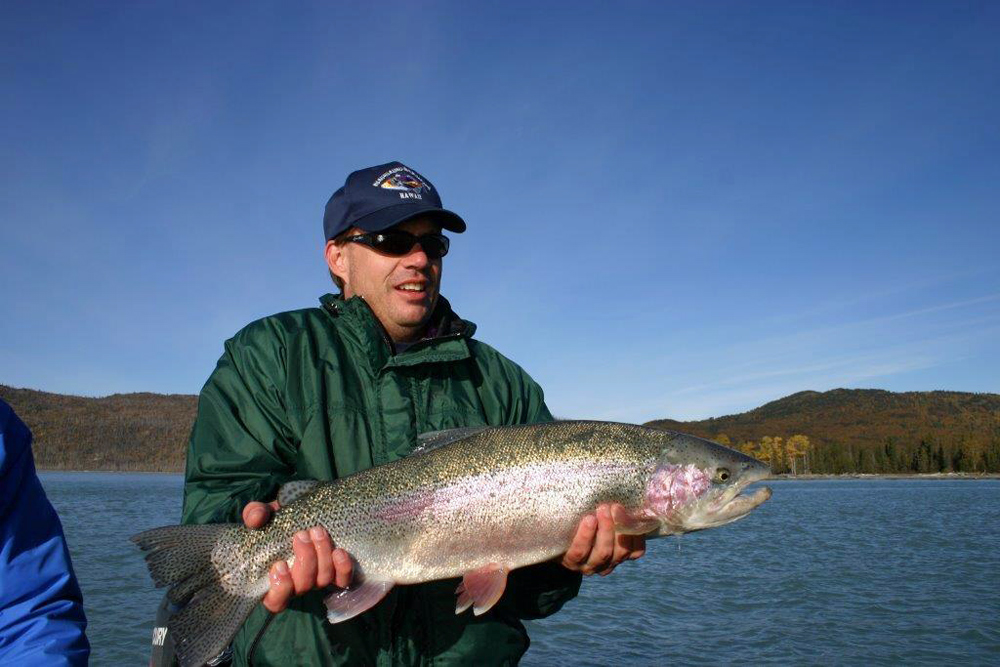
[(847, 430), (119, 432), (867, 430)]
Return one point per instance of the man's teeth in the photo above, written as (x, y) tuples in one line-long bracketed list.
[(412, 287)]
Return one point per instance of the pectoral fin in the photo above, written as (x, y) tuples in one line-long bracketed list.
[(347, 603), (481, 589), (629, 523)]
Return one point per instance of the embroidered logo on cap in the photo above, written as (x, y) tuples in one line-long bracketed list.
[(405, 181)]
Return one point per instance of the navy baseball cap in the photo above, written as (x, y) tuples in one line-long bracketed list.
[(379, 197)]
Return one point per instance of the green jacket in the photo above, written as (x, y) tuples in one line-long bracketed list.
[(318, 394)]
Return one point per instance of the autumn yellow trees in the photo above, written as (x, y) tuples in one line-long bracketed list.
[(798, 446), (781, 454)]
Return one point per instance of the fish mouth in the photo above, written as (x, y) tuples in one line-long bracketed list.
[(739, 506), (731, 506)]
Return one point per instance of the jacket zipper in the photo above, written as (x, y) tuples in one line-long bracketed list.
[(256, 639)]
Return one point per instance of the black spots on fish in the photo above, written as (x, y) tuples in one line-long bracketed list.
[(174, 553), (207, 623), (292, 491), (586, 434), (181, 592), (622, 493), (184, 558)]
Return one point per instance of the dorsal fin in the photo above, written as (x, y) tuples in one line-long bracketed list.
[(431, 440), (292, 491)]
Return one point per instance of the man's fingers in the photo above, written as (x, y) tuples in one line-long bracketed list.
[(638, 547), (276, 598), (579, 550), (255, 515), (317, 564), (324, 556), (304, 567), (604, 541), (598, 548), (343, 567), (625, 545)]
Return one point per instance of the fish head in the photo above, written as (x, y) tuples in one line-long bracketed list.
[(699, 484)]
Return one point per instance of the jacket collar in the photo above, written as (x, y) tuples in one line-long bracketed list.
[(444, 340)]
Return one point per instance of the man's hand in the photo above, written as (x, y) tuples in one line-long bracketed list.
[(317, 563), (598, 549)]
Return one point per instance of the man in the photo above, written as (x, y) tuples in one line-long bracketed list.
[(325, 392), (41, 609)]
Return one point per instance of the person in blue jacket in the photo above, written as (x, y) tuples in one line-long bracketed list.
[(41, 608)]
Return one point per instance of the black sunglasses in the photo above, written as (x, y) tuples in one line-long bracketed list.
[(397, 242)]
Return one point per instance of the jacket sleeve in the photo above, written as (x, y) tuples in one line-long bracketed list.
[(41, 608), (241, 447), (539, 590)]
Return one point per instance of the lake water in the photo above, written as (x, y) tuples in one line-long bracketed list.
[(842, 572)]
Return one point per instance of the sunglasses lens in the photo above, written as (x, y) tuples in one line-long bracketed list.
[(435, 245), (393, 243), (397, 242)]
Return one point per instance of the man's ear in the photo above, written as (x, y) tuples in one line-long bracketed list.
[(337, 260)]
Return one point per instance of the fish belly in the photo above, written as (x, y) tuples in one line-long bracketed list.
[(513, 517)]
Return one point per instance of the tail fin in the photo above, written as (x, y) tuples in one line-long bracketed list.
[(180, 557)]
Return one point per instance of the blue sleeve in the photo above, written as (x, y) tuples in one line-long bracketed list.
[(41, 608)]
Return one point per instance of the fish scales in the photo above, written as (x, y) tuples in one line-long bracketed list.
[(495, 500), (427, 517)]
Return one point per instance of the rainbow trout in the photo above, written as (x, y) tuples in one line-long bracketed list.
[(472, 503)]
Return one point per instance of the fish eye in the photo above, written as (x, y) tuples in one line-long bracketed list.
[(721, 474)]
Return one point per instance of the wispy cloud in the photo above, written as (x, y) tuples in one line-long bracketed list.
[(820, 359), (873, 296), (935, 309), (862, 330)]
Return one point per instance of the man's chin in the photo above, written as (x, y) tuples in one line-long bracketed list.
[(412, 316)]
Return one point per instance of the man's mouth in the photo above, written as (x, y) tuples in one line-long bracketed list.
[(412, 287)]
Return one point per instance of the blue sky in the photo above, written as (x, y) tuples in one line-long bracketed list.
[(675, 209)]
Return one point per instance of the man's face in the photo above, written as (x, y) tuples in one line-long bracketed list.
[(402, 291)]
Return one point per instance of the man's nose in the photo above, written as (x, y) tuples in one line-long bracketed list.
[(417, 257)]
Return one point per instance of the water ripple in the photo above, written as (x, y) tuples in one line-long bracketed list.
[(827, 572), (844, 572)]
